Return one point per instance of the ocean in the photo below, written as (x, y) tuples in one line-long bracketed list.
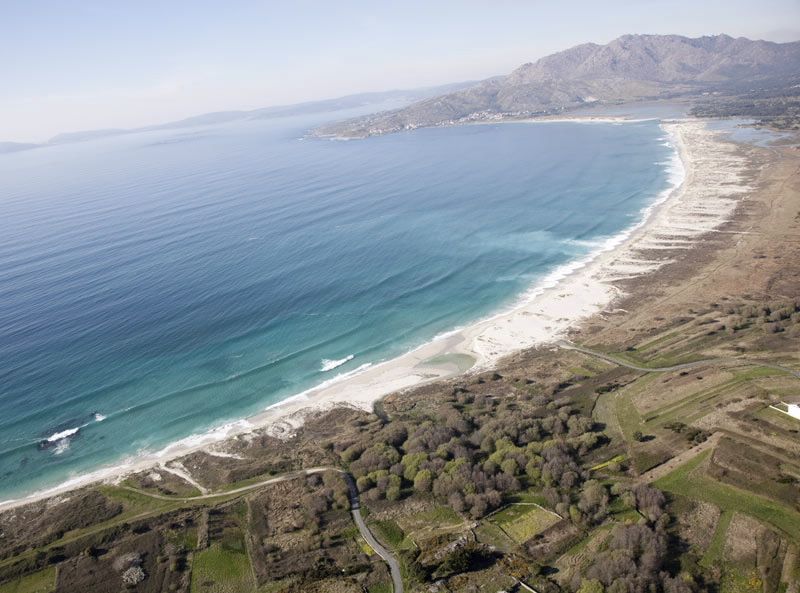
[(159, 285)]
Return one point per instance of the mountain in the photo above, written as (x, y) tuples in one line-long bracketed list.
[(85, 135), (632, 67), (15, 146), (310, 107)]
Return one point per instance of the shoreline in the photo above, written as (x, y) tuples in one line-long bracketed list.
[(545, 313)]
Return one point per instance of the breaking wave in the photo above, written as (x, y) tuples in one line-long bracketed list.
[(329, 365)]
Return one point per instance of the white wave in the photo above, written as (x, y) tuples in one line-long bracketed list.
[(214, 435), (587, 243), (329, 365), (62, 446), (64, 434), (303, 395), (98, 417)]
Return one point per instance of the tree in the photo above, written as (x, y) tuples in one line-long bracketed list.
[(591, 586), (423, 481), (456, 502), (638, 436), (411, 463), (510, 467), (594, 500), (649, 501)]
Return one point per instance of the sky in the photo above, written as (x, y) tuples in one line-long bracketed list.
[(94, 64)]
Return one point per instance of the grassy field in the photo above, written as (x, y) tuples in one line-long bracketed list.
[(690, 480), (627, 415), (43, 581), (740, 581), (388, 532), (222, 568), (414, 529), (522, 521), (713, 555), (685, 354), (440, 515), (489, 533)]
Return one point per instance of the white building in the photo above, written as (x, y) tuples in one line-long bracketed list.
[(793, 410)]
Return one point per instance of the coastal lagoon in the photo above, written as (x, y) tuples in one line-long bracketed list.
[(159, 285)]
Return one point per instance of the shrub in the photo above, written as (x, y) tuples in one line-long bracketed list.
[(133, 576)]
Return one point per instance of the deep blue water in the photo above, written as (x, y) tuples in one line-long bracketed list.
[(171, 281)]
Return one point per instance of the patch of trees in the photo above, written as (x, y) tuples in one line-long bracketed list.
[(634, 558), (774, 318), (474, 450)]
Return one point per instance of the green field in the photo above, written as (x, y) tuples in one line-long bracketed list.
[(388, 532), (740, 581), (441, 516), (489, 533), (689, 480), (222, 569), (522, 521), (43, 581), (714, 553)]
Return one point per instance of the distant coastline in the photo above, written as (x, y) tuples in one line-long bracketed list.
[(545, 313)]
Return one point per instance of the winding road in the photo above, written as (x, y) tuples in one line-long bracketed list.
[(355, 510)]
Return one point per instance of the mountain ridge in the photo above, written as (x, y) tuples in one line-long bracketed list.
[(629, 68)]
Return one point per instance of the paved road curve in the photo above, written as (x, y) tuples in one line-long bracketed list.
[(355, 509)]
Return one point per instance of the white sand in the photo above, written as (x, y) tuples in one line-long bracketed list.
[(711, 171)]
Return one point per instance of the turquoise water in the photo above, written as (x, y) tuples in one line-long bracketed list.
[(157, 285)]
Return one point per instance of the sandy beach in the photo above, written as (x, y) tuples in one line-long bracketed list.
[(708, 178), (708, 175)]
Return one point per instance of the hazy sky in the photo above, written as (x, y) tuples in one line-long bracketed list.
[(71, 65)]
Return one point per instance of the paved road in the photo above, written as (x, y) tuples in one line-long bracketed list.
[(355, 509), (677, 367)]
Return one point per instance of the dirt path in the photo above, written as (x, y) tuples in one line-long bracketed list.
[(677, 367)]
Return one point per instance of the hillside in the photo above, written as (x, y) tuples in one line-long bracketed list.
[(632, 67)]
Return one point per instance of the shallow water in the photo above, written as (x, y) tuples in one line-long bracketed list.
[(742, 130)]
